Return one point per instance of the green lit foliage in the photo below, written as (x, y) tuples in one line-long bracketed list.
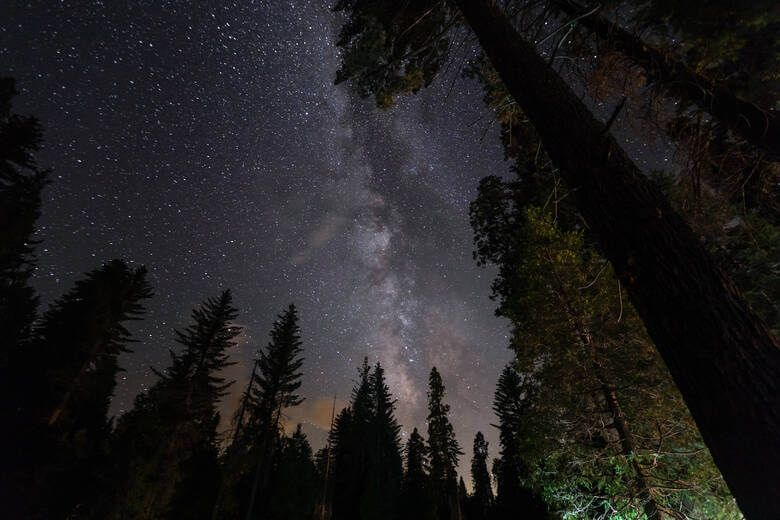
[(590, 362), (387, 50)]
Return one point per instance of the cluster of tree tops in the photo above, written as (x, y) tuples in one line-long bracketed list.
[(595, 421), (588, 245), (64, 457)]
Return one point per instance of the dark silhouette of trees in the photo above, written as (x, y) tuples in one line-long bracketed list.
[(275, 390), (21, 183), (690, 308), (759, 127), (480, 503), (60, 422), (367, 465), (293, 490), (416, 498), (443, 450), (170, 435), (385, 468), (509, 469)]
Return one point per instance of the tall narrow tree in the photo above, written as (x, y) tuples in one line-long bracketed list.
[(416, 498), (385, 470), (444, 451), (277, 383), (481, 500), (510, 407), (21, 183)]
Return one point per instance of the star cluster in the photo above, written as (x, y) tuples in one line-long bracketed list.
[(211, 145)]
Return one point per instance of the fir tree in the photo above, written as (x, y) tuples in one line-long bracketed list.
[(62, 418), (509, 469), (293, 488), (367, 464), (444, 451), (416, 499), (21, 183), (276, 386), (385, 469), (481, 500), (170, 435), (345, 482)]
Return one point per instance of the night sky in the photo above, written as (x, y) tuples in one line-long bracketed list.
[(210, 144)]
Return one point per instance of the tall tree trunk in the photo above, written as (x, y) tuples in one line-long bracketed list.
[(721, 356), (760, 128)]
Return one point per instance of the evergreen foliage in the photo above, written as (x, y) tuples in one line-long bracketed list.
[(367, 463), (591, 371), (21, 183), (510, 470), (390, 51), (481, 501), (162, 444), (273, 387), (63, 428), (417, 501), (653, 251), (443, 450), (294, 487)]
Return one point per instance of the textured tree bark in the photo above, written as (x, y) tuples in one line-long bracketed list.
[(760, 128), (721, 356)]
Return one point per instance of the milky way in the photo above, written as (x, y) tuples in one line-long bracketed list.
[(211, 146)]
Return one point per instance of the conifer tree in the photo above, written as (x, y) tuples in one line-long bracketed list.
[(444, 451), (276, 386), (367, 469), (463, 499), (293, 488), (416, 501), (385, 469), (21, 183), (170, 435), (509, 469), (481, 500), (345, 483), (61, 418), (352, 445)]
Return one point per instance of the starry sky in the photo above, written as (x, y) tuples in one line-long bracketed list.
[(209, 143)]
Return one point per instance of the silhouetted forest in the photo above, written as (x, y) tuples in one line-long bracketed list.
[(644, 383)]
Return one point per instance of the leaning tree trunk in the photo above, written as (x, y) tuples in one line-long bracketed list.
[(760, 128), (721, 356)]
